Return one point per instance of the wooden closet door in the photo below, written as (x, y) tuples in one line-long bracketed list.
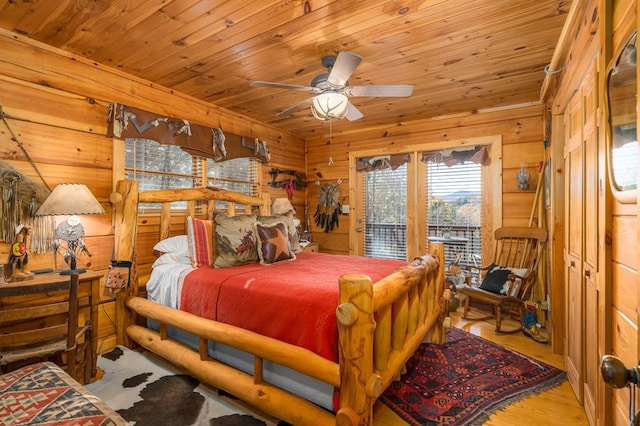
[(590, 245), (573, 159)]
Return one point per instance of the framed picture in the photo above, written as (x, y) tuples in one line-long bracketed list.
[(547, 183)]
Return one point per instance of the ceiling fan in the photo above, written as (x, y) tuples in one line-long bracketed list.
[(332, 90)]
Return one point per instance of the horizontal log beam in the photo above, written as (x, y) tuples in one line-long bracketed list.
[(264, 396), (295, 357), (191, 194)]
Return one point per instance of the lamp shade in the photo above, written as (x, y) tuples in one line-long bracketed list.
[(70, 199), (329, 105)]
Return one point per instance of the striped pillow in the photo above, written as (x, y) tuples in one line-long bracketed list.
[(200, 237)]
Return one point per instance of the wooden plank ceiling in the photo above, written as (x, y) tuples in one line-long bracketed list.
[(461, 55)]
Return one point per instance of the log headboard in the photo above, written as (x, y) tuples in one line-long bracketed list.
[(128, 225)]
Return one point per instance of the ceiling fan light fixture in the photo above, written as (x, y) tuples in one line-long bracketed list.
[(329, 105)]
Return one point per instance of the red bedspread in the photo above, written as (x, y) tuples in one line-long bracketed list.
[(294, 302)]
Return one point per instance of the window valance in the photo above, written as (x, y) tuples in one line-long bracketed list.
[(129, 122), (451, 157), (381, 162)]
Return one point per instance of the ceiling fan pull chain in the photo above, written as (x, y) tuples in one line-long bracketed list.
[(330, 139)]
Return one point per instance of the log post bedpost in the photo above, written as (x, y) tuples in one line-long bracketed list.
[(125, 213), (380, 328)]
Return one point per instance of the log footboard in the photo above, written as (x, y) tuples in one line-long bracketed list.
[(380, 325)]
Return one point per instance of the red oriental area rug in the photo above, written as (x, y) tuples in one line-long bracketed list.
[(465, 380)]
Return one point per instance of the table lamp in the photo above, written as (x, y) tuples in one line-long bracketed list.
[(70, 199)]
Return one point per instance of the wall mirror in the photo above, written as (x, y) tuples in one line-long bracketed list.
[(623, 141)]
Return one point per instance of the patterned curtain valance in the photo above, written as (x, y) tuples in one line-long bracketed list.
[(129, 122), (451, 157), (381, 162)]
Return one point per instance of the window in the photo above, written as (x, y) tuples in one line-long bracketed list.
[(454, 210), (432, 201), (237, 175), (386, 213), (157, 166)]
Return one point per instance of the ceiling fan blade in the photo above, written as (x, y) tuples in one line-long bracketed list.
[(345, 65), (353, 113), (391, 90), (285, 86), (294, 108)]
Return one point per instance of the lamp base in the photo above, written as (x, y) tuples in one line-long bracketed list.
[(73, 271)]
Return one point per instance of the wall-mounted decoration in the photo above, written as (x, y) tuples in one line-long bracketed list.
[(328, 210), (196, 139), (21, 197), (295, 181)]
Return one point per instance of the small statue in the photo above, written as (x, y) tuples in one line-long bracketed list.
[(19, 257)]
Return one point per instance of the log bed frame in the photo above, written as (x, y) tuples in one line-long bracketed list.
[(380, 326)]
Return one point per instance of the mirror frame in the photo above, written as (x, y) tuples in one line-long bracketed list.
[(628, 196)]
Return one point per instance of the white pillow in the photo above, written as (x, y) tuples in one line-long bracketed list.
[(177, 244), (172, 259)]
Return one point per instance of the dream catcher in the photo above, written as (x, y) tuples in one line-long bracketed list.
[(328, 210)]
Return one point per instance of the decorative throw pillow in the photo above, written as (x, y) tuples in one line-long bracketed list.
[(496, 281), (288, 220), (273, 243), (236, 242), (200, 238)]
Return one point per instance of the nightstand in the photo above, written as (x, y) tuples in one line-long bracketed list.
[(311, 247), (24, 293)]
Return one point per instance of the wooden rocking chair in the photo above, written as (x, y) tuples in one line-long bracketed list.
[(507, 282)]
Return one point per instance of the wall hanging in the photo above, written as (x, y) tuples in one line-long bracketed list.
[(328, 210), (295, 181)]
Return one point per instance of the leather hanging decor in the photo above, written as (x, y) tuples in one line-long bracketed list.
[(328, 211)]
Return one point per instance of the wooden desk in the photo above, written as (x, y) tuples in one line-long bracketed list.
[(15, 294)]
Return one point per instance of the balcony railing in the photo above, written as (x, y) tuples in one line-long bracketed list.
[(461, 243)]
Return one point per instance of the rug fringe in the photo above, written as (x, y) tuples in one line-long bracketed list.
[(490, 411)]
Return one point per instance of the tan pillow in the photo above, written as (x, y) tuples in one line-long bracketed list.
[(236, 241), (287, 219), (273, 243)]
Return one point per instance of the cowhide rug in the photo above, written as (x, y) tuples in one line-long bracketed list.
[(147, 390)]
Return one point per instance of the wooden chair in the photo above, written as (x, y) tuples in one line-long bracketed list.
[(515, 248), (46, 327)]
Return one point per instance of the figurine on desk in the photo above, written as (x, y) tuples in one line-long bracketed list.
[(19, 257)]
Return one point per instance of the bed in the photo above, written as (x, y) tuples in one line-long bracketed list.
[(370, 325), (43, 394)]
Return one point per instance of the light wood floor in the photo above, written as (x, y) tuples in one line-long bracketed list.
[(557, 406)]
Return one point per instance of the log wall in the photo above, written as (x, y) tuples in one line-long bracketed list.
[(521, 129), (60, 103)]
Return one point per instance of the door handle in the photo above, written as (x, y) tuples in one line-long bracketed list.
[(359, 229), (618, 376), (587, 273)]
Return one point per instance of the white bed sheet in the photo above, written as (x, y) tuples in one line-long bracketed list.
[(165, 283)]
